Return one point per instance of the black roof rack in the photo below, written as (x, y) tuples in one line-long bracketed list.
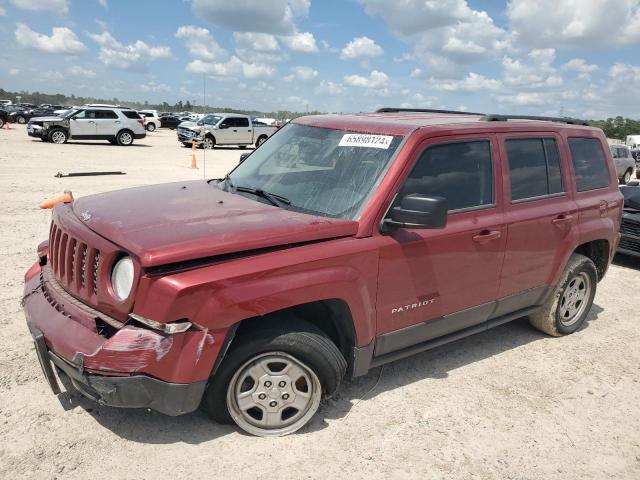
[(503, 118), (423, 110)]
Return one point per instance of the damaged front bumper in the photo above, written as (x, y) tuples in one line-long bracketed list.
[(128, 367)]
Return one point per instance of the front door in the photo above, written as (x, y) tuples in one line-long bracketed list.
[(83, 124), (434, 282)]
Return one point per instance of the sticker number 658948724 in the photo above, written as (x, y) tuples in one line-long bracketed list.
[(363, 140)]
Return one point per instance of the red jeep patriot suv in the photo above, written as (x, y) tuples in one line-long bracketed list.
[(342, 243)]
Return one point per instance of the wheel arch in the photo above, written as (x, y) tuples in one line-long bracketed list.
[(599, 252)]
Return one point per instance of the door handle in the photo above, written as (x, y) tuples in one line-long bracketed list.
[(117, 121), (91, 121), (486, 236), (236, 131), (562, 219)]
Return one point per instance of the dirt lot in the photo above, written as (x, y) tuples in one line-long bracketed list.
[(510, 403)]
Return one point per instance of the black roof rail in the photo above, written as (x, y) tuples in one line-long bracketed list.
[(503, 118), (424, 110)]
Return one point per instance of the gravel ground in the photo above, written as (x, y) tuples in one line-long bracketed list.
[(510, 403)]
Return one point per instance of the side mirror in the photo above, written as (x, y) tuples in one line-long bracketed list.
[(222, 126), (243, 157), (417, 211)]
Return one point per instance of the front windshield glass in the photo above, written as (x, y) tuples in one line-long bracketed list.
[(69, 113), (320, 171)]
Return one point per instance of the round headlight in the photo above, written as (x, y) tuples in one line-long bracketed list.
[(122, 278)]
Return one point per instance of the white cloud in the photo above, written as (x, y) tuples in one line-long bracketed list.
[(275, 16), (444, 28), (579, 65), (53, 76), (155, 87), (327, 87), (300, 42), (233, 68), (361, 47), (260, 42), (302, 74), (3, 12), (56, 6), (524, 98), (135, 56), (77, 71), (103, 3), (577, 23), (535, 71), (13, 72), (200, 43), (376, 79), (62, 40), (471, 83), (416, 72)]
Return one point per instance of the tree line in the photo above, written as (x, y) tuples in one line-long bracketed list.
[(39, 98)]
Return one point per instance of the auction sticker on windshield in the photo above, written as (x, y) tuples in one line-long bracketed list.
[(371, 141)]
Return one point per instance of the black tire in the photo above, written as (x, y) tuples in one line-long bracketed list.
[(113, 141), (301, 340), (186, 144), (209, 142), (626, 177), (21, 120), (151, 127), (124, 138), (261, 139), (242, 147), (549, 318), (58, 135), (2, 122)]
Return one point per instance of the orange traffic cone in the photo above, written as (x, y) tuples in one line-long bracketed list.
[(66, 197), (194, 163)]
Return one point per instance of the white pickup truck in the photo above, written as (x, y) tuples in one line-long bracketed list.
[(224, 129)]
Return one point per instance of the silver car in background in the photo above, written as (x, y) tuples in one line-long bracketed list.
[(625, 164)]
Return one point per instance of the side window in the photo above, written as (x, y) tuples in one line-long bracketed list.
[(85, 114), (589, 163), (534, 167), (106, 114), (131, 114), (461, 172), (242, 122)]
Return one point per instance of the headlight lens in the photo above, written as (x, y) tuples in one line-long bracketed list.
[(122, 278)]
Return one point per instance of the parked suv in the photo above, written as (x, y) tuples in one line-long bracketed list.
[(151, 119), (343, 243), (117, 125), (624, 162), (224, 129)]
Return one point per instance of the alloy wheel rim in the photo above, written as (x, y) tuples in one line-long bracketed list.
[(125, 138), (627, 177), (574, 299), (208, 143), (58, 137), (273, 394)]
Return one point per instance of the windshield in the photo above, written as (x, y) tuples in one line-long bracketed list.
[(69, 113), (317, 170)]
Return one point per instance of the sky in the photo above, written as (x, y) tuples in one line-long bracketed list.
[(547, 57)]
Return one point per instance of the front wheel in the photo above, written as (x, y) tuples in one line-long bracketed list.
[(272, 381), (124, 138), (209, 142), (261, 140), (567, 308), (1, 122), (626, 178), (57, 135), (21, 120)]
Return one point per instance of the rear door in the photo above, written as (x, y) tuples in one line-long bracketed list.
[(540, 214), (107, 123), (434, 282)]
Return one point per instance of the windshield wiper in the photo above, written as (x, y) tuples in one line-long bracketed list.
[(277, 200)]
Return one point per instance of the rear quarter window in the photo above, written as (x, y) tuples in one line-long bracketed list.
[(589, 163), (131, 114)]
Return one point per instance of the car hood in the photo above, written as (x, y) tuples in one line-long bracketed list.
[(51, 118), (183, 221), (188, 124)]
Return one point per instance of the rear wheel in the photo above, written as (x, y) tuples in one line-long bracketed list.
[(261, 140), (57, 135), (567, 308), (1, 122), (21, 120), (272, 381), (124, 138), (626, 177)]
